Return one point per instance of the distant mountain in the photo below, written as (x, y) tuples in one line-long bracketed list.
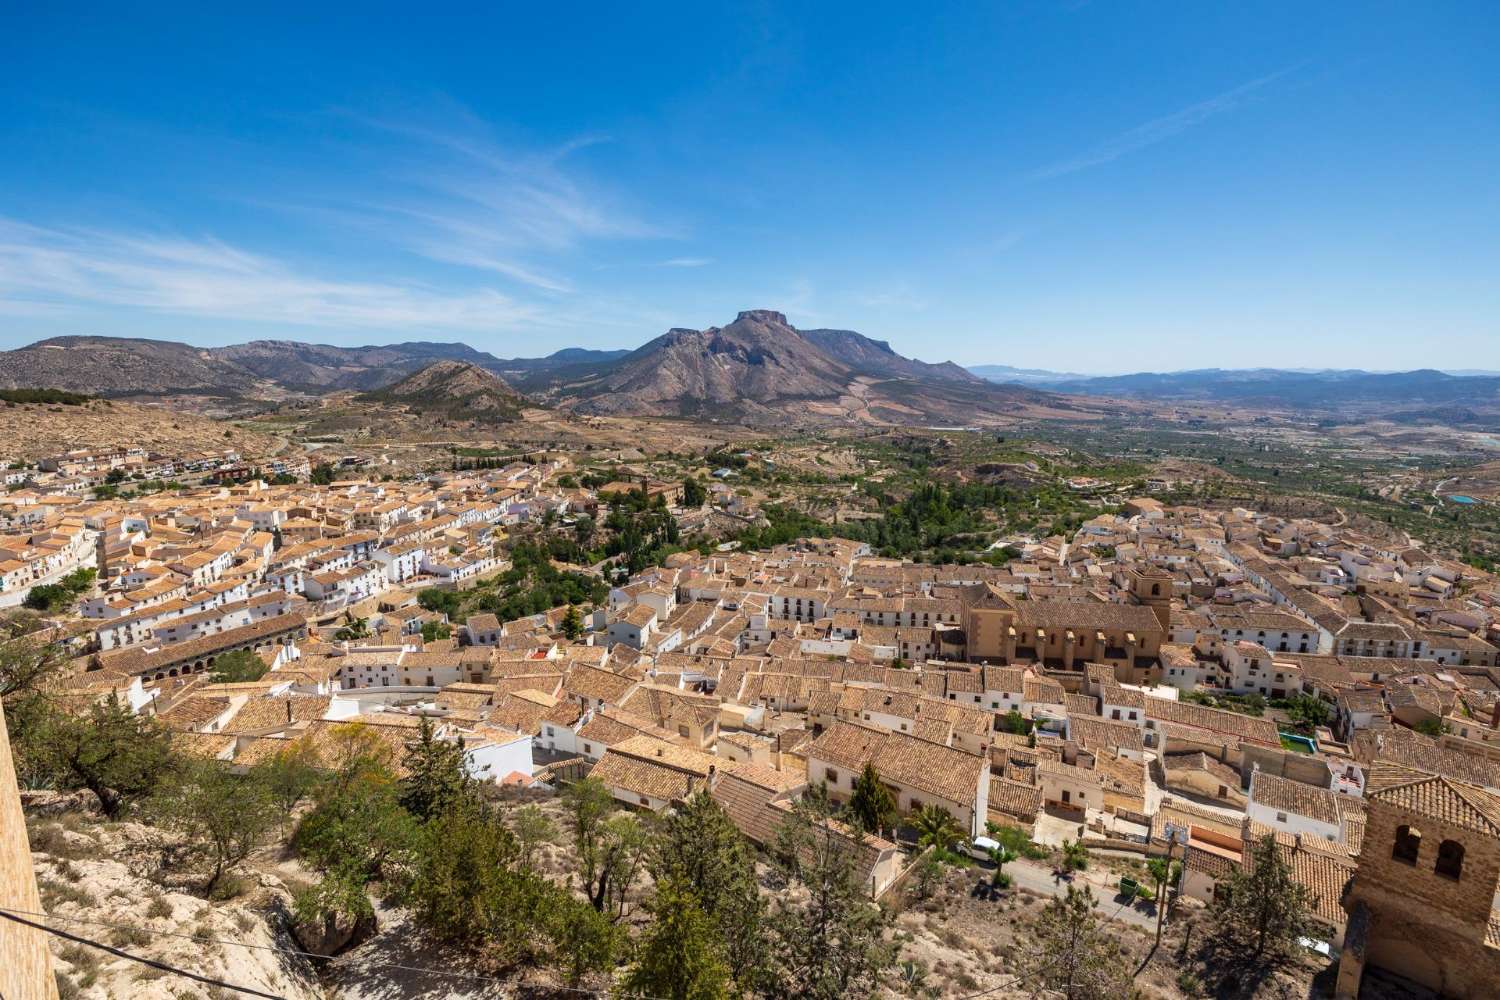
[(1313, 390), (1300, 390), (760, 369), (119, 366), (453, 390), (1022, 376)]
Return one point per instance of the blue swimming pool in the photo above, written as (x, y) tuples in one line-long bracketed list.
[(1456, 498)]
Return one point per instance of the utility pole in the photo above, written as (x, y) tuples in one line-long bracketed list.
[(1173, 832)]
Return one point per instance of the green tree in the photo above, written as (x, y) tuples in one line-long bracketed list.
[(1260, 907), (532, 828), (678, 957), (1000, 857), (872, 807), (935, 827), (1075, 958), (117, 755), (611, 849), (322, 474), (572, 623), (826, 940), (223, 817), (357, 628), (290, 776), (585, 940), (693, 493), (1075, 855), (465, 890), (236, 667), (698, 845), (435, 777), (27, 662), (435, 631)]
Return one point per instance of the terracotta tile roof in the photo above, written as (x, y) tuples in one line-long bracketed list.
[(1446, 800)]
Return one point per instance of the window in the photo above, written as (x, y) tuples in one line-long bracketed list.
[(1281, 817), (1450, 859), (833, 776), (1408, 845)]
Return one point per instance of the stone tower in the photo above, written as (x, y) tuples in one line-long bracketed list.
[(1152, 588)]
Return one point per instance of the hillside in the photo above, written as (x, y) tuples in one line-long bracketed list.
[(118, 366), (453, 390), (875, 357), (761, 370)]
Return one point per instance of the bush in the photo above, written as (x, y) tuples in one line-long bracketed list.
[(158, 908)]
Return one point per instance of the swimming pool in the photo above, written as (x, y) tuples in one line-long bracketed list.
[(1456, 498)]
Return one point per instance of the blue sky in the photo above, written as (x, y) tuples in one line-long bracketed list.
[(1100, 187)]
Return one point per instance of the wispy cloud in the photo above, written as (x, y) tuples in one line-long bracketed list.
[(43, 269), (687, 262), (1159, 129), (458, 196)]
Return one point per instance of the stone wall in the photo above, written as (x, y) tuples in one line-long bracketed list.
[(25, 963)]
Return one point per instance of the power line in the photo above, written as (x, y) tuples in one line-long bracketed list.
[(164, 967), (283, 950)]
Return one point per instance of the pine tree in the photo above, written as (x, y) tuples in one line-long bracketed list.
[(572, 623), (435, 776), (699, 845), (1260, 906), (1076, 958), (679, 956), (871, 806)]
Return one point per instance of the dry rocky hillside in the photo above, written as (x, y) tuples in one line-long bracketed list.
[(105, 881), (32, 430), (453, 390), (762, 370)]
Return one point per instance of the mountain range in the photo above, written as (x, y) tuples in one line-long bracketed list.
[(757, 369), (1312, 391)]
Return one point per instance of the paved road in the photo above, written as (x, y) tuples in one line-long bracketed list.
[(1038, 879)]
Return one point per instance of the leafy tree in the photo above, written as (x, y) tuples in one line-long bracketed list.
[(935, 827), (586, 941), (322, 474), (1015, 840), (1000, 856), (238, 667), (464, 888), (698, 845), (358, 628), (1262, 908), (693, 493), (117, 755), (572, 623), (826, 941), (358, 820), (1309, 710), (532, 828), (435, 777), (610, 849), (1430, 727), (435, 631), (1075, 958), (289, 777), (27, 663), (435, 599), (679, 955), (224, 817), (1075, 855)]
